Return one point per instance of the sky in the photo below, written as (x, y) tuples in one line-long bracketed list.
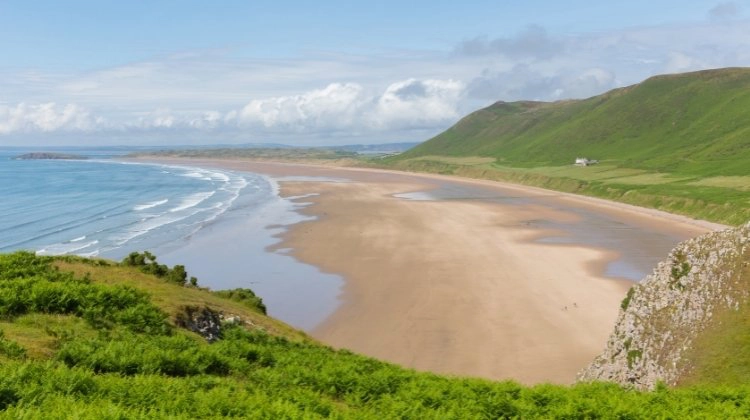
[(328, 72)]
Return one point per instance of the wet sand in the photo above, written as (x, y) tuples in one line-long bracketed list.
[(470, 277)]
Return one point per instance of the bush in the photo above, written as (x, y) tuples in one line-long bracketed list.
[(245, 296), (8, 397), (11, 349), (146, 262), (23, 264), (37, 287), (626, 301)]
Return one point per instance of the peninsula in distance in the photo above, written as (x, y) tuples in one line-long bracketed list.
[(48, 156)]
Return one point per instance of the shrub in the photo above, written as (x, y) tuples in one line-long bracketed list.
[(147, 263), (22, 264), (8, 397), (626, 301), (245, 296), (680, 268), (36, 286), (11, 349), (633, 356)]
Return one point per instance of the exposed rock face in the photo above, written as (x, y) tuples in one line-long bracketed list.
[(663, 314), (205, 321)]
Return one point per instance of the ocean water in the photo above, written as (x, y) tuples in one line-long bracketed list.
[(218, 223), (103, 207)]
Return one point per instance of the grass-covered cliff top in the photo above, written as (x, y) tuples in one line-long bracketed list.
[(95, 339)]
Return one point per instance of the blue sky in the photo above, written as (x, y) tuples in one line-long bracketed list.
[(328, 72)]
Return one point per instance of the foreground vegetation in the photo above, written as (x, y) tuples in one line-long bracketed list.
[(679, 143), (95, 339)]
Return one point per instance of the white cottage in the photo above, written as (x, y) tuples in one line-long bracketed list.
[(585, 162)]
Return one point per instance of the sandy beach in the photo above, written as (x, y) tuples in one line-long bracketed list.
[(474, 283)]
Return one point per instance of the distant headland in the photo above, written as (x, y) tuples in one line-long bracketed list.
[(49, 155)]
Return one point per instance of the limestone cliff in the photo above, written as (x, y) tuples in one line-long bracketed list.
[(661, 317)]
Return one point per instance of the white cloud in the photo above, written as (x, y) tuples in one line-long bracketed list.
[(417, 103), (207, 120), (168, 119), (334, 107), (596, 62), (45, 117), (678, 62), (523, 82), (404, 105), (588, 82), (348, 106), (158, 119)]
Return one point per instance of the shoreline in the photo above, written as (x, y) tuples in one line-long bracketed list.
[(232, 251), (457, 286), (271, 167)]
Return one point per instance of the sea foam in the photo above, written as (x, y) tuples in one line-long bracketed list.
[(150, 205), (193, 200)]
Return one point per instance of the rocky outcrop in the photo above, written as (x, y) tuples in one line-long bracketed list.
[(205, 321), (661, 316)]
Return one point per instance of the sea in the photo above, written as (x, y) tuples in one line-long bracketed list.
[(220, 224)]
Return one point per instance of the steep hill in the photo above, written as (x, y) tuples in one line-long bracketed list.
[(692, 123), (688, 321), (679, 143), (96, 339)]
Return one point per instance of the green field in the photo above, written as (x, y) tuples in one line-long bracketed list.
[(95, 339), (679, 143), (720, 199)]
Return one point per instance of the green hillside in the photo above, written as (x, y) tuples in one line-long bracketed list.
[(692, 123), (95, 339), (677, 142)]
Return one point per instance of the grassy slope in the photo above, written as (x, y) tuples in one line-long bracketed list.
[(693, 123), (678, 142), (721, 354), (57, 361), (170, 297)]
